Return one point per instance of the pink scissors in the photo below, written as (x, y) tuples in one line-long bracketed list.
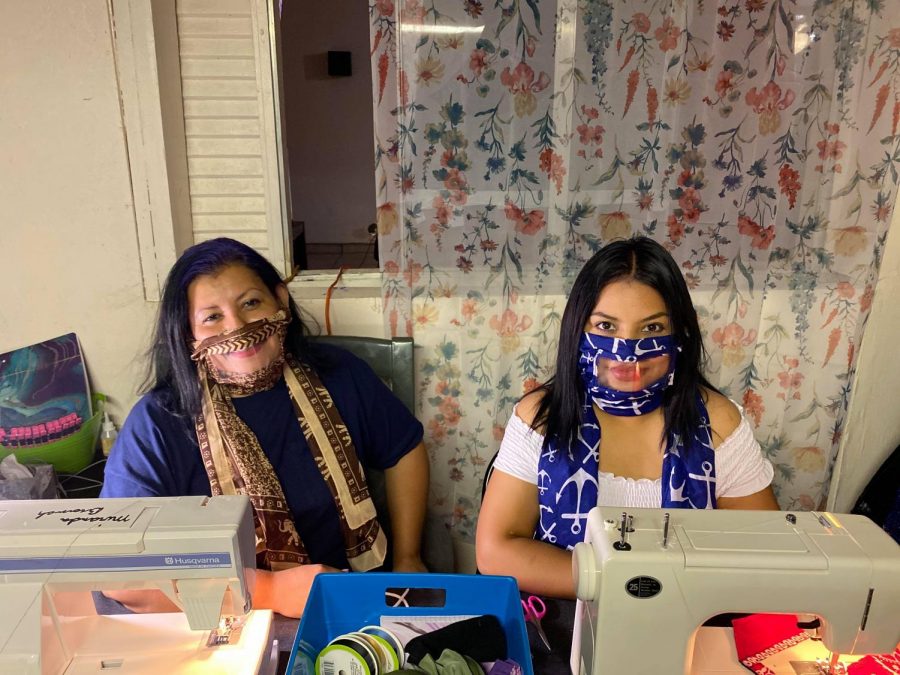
[(535, 609)]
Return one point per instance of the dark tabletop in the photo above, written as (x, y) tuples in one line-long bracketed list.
[(284, 630), (558, 624)]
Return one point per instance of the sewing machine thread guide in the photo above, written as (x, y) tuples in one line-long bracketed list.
[(665, 541)]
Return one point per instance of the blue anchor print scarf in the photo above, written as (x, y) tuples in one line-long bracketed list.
[(567, 476)]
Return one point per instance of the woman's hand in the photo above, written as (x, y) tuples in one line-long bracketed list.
[(286, 591)]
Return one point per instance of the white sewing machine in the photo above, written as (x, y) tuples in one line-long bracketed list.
[(199, 551), (646, 579)]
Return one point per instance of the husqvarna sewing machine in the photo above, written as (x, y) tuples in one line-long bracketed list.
[(647, 579), (199, 551)]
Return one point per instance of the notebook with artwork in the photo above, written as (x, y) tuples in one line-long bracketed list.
[(44, 392)]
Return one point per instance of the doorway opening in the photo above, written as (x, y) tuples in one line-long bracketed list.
[(328, 126)]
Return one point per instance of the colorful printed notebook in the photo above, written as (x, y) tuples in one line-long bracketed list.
[(44, 393)]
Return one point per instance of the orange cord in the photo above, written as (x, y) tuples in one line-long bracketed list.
[(328, 300)]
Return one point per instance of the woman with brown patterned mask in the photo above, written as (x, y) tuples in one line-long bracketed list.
[(238, 401)]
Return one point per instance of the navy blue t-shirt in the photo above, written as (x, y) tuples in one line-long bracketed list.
[(156, 453)]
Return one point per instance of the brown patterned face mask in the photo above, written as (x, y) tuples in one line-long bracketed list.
[(255, 333)]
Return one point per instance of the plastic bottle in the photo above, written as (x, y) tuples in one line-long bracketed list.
[(107, 434)]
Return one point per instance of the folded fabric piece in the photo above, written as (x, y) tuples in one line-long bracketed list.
[(876, 663), (507, 667), (481, 638), (450, 663)]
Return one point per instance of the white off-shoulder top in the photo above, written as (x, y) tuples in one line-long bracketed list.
[(741, 469)]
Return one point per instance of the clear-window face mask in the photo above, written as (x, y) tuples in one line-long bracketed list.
[(632, 372), (627, 377)]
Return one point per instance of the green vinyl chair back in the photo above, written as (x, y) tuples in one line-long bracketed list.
[(390, 358)]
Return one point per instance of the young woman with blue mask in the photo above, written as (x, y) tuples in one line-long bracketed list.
[(628, 419)]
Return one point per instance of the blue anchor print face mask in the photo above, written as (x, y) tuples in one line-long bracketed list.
[(627, 377)]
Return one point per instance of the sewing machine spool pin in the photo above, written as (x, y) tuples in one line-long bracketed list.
[(624, 523)]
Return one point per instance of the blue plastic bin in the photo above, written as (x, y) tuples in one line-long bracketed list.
[(341, 603)]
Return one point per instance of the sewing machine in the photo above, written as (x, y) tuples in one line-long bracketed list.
[(199, 551), (646, 579)]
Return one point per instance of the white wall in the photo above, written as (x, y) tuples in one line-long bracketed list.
[(329, 127), (67, 226), (872, 430)]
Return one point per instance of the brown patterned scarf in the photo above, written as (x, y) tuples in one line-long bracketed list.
[(236, 463)]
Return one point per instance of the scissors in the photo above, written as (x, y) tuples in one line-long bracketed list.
[(535, 609)]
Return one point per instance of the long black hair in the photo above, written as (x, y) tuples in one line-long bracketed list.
[(645, 261), (171, 371)]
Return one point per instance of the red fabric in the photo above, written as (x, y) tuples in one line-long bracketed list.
[(759, 634), (877, 663)]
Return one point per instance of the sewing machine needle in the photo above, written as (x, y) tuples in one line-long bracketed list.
[(832, 664)]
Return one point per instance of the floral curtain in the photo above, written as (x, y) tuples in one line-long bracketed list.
[(756, 139)]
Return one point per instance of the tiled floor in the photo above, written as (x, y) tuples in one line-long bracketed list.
[(333, 256)]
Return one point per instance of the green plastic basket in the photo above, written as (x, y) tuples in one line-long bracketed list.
[(70, 454)]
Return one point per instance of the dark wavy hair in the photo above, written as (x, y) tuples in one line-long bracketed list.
[(171, 371), (643, 260)]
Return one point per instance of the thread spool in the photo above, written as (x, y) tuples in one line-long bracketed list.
[(387, 657), (391, 639), (348, 655), (305, 659)]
